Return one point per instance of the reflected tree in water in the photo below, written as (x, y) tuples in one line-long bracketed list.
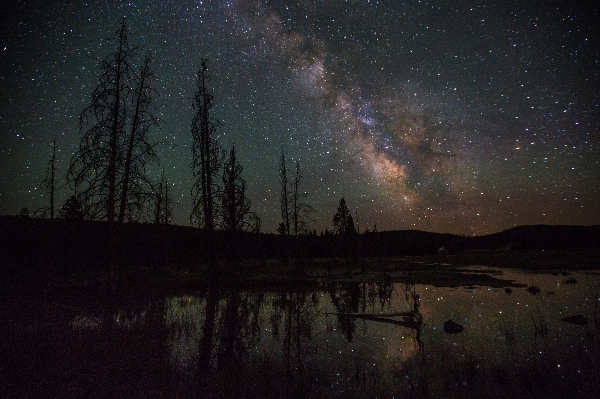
[(345, 297), (231, 328), (297, 311), (239, 327), (205, 346), (348, 297)]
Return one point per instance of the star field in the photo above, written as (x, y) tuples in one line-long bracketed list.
[(466, 117)]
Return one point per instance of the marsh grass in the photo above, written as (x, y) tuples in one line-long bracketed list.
[(540, 327), (58, 361)]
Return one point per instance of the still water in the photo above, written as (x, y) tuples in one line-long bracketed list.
[(359, 336)]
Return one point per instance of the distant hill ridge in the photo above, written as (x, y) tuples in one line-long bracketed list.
[(529, 237), (542, 236)]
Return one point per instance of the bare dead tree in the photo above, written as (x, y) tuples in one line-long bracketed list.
[(109, 171), (206, 162), (300, 208), (206, 155), (49, 184), (163, 203), (168, 208), (93, 171), (139, 151), (158, 201), (284, 200), (295, 211)]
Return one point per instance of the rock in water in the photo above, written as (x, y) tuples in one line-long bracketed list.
[(580, 320), (452, 328)]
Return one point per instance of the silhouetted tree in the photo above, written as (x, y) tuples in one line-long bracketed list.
[(342, 220), (234, 213), (206, 162), (139, 152), (256, 222), (108, 172), (93, 168), (71, 209), (24, 213), (343, 226), (300, 209), (163, 203), (48, 184), (206, 156), (284, 226), (284, 200), (281, 229), (294, 210)]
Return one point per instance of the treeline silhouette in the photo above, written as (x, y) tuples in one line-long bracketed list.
[(113, 192), (65, 245)]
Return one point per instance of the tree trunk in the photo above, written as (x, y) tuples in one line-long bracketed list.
[(208, 331), (131, 145), (53, 170), (114, 136)]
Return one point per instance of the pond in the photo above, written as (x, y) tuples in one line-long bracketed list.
[(516, 334)]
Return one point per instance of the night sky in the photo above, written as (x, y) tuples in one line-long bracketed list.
[(466, 117)]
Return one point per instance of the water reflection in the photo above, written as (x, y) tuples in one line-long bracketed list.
[(295, 340), (346, 298), (383, 337)]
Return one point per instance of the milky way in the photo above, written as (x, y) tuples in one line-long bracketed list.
[(463, 117)]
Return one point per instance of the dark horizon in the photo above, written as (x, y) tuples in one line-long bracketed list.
[(149, 240), (362, 230)]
